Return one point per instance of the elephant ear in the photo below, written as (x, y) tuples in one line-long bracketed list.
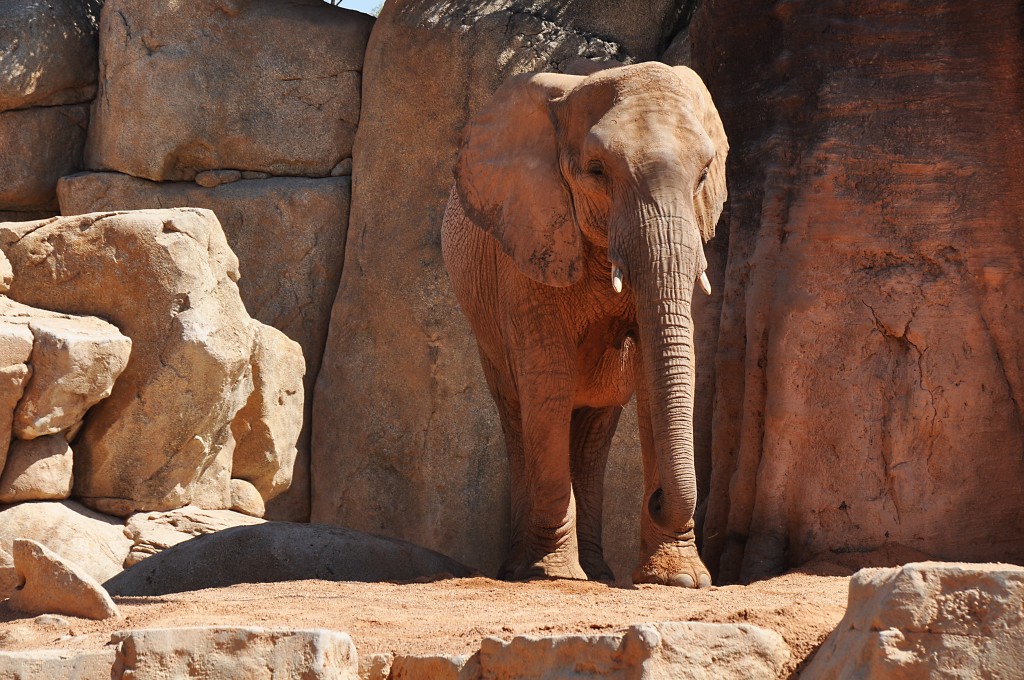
[(509, 182), (709, 202)]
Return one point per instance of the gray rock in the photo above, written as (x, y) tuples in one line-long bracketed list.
[(280, 551), (153, 532)]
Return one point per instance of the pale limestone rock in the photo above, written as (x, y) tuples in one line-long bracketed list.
[(51, 584), (75, 361), (649, 651), (269, 102), (435, 667), (50, 664), (928, 620), (15, 349), (375, 666), (37, 470), (289, 236), (6, 272), (157, 442), (8, 575), (89, 539), (152, 532), (253, 653), (246, 499), (268, 426)]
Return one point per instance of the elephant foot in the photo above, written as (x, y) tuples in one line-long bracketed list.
[(548, 567), (595, 567), (673, 565)]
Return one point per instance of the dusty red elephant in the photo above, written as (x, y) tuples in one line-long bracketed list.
[(574, 238)]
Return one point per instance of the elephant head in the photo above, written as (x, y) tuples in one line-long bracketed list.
[(626, 165)]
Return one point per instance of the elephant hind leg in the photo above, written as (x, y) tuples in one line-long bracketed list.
[(590, 438)]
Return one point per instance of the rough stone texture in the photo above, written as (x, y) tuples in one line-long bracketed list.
[(6, 271), (246, 499), (287, 107), (151, 532), (40, 146), (252, 653), (280, 551), (437, 667), (50, 664), (416, 450), (162, 439), (51, 584), (649, 651), (75, 361), (37, 470), (93, 541), (15, 349), (268, 426), (928, 620), (870, 388), (289, 236), (8, 575), (50, 52), (375, 666)]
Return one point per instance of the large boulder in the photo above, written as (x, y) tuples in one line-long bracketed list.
[(280, 551), (928, 620), (37, 470), (50, 52), (162, 439), (870, 388), (249, 95), (93, 541), (415, 449), (289, 236), (40, 145)]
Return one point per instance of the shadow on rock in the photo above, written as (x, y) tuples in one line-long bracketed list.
[(281, 551)]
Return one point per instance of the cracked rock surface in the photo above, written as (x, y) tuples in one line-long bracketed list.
[(287, 107)]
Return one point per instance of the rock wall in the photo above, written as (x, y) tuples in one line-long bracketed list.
[(869, 368), (405, 437), (48, 70), (259, 129)]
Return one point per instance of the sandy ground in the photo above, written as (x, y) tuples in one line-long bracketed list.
[(452, 616)]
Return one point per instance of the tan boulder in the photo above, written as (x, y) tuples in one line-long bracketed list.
[(49, 664), (255, 653), (6, 271), (15, 349), (93, 541), (289, 236), (51, 584), (435, 667), (161, 440), (261, 92), (8, 574), (37, 470), (268, 426), (152, 532), (50, 52), (246, 499), (40, 146), (928, 620), (395, 449), (75, 361)]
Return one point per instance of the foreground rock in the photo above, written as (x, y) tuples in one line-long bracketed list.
[(50, 584), (162, 439), (928, 619), (51, 664), (94, 542), (234, 653), (280, 551), (259, 89), (431, 452), (153, 532), (40, 469), (49, 55), (289, 236)]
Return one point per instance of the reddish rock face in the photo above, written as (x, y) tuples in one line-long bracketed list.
[(869, 367)]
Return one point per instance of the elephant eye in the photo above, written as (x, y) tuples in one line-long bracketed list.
[(595, 168), (703, 178)]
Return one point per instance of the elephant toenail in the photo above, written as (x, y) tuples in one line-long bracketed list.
[(704, 581), (684, 580)]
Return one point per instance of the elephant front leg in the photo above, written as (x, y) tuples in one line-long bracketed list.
[(591, 437), (545, 543), (668, 558)]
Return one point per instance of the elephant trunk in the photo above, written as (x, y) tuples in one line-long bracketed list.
[(665, 323)]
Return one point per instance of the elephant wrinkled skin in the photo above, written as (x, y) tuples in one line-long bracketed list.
[(574, 237)]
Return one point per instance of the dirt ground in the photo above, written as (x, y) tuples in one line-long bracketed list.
[(452, 616)]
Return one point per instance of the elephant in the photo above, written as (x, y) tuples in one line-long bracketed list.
[(574, 237)]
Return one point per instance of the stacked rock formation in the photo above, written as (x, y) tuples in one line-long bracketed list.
[(47, 79), (270, 154)]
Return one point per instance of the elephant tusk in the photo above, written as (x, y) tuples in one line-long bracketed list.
[(704, 283), (616, 279)]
